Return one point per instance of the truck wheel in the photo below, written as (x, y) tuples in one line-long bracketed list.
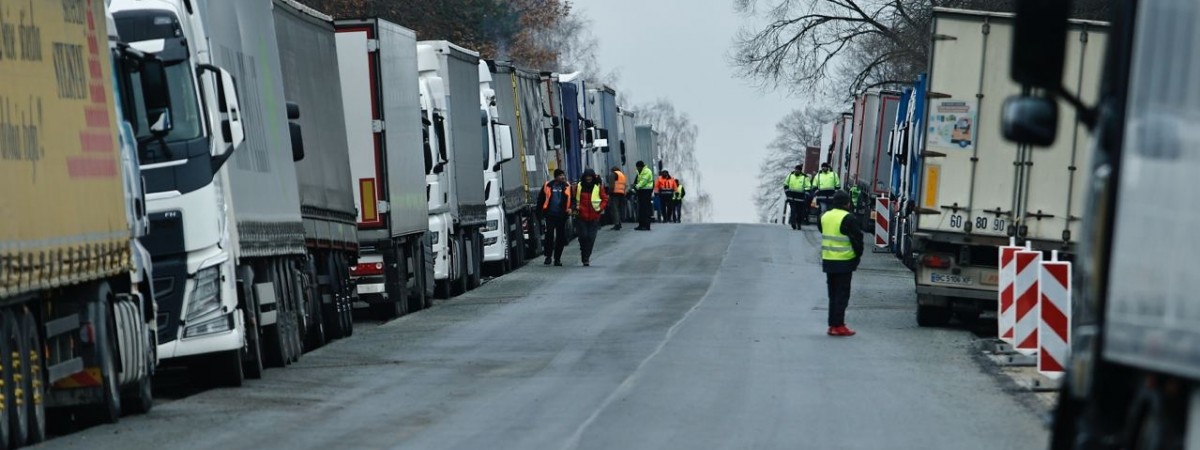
[(253, 357), (140, 398), (933, 316), (8, 338), (273, 344), (416, 296), (332, 312), (109, 410), (476, 260), (225, 369), (35, 367), (464, 277)]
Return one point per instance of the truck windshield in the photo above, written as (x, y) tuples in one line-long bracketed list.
[(185, 115)]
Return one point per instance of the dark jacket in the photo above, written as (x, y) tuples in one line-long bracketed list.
[(560, 201), (852, 228)]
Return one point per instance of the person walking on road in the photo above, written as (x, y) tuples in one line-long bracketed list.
[(645, 191), (591, 203), (555, 201), (665, 189), (841, 251), (617, 185), (677, 202), (797, 186), (826, 182)]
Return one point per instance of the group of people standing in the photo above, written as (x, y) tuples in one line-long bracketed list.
[(589, 200), (802, 189), (841, 235)]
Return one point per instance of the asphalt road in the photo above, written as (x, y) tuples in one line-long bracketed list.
[(688, 337)]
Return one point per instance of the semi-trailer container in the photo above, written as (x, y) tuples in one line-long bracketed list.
[(389, 160), (977, 190), (308, 57)]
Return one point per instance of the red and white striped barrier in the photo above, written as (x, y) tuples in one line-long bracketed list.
[(882, 216), (1026, 294), (1054, 326), (1005, 313)]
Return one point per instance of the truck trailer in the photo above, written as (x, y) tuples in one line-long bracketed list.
[(449, 80), (308, 57), (77, 311), (520, 106), (385, 132), (870, 169), (977, 190)]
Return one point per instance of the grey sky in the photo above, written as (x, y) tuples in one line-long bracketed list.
[(677, 49)]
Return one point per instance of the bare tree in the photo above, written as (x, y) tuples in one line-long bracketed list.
[(811, 46), (677, 150), (797, 131)]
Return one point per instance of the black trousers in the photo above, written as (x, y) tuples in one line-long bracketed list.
[(677, 210), (617, 206), (839, 296), (587, 237), (665, 208), (645, 207), (556, 236), (798, 209)]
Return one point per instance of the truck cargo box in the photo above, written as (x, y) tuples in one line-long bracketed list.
[(63, 212), (647, 147), (262, 173), (309, 61), (459, 69), (874, 116), (973, 181), (538, 153), (382, 115)]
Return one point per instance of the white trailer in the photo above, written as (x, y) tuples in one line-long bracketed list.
[(978, 190)]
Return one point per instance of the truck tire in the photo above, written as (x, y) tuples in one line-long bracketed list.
[(252, 355), (413, 250), (224, 369), (310, 291), (933, 316), (461, 284), (332, 312), (8, 338), (475, 261), (36, 368), (109, 409)]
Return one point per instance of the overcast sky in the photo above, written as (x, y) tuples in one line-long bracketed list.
[(677, 49)]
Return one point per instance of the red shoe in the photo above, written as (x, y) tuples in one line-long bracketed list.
[(846, 331), (833, 331)]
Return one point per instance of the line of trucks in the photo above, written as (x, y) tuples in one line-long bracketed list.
[(1065, 135), (218, 185)]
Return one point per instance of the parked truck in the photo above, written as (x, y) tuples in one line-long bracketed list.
[(874, 115), (1133, 380), (202, 312), (77, 311), (389, 144), (308, 57), (449, 80), (520, 105), (975, 189), (501, 248)]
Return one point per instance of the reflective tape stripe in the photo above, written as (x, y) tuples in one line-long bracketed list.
[(831, 248), (836, 238)]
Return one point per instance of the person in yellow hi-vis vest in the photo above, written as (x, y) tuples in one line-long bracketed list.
[(841, 251), (591, 201), (645, 190)]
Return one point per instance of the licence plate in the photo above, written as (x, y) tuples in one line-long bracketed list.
[(370, 288), (950, 279)]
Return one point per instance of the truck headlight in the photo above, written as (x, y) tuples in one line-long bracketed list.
[(215, 325), (491, 225), (436, 238), (206, 294), (489, 241)]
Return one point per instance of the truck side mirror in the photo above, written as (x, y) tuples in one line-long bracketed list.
[(294, 130), (1039, 46), (156, 95), (602, 140), (232, 132), (1040, 43), (504, 142), (555, 136), (1030, 120)]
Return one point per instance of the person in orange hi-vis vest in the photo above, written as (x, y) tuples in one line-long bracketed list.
[(617, 185), (665, 189)]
